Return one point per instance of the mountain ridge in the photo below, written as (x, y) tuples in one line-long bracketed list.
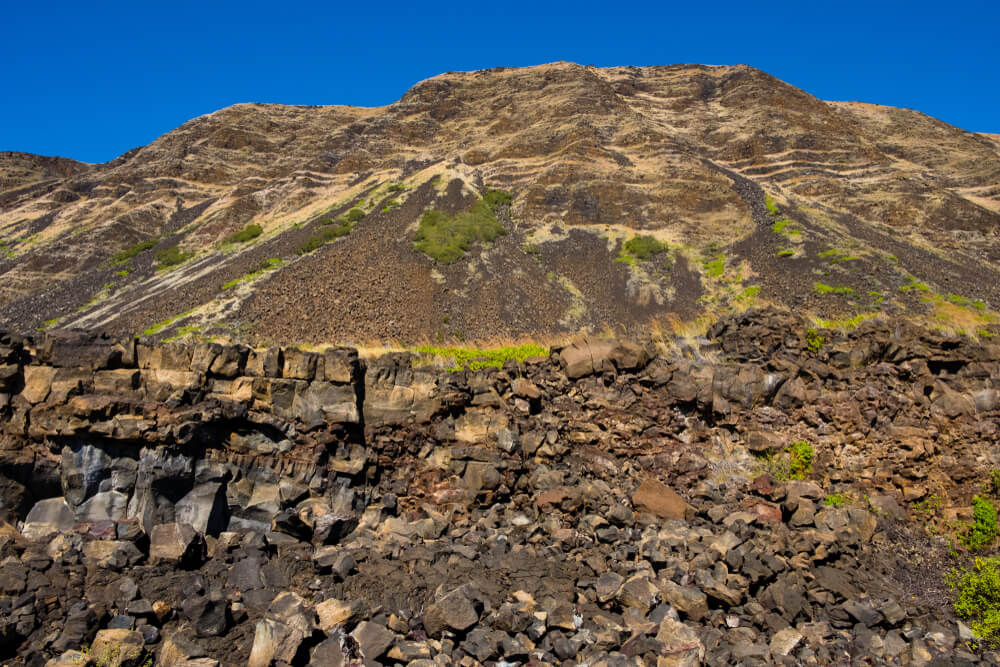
[(593, 157)]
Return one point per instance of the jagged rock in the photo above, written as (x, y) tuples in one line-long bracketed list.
[(374, 639), (204, 508), (112, 554), (289, 621), (680, 646), (453, 611), (181, 651), (208, 616), (52, 515), (686, 599), (176, 543)]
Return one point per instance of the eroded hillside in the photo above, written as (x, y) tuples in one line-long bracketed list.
[(636, 193)]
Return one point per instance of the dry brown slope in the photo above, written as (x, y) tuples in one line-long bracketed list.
[(592, 156)]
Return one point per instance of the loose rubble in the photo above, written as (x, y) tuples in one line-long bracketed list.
[(216, 505)]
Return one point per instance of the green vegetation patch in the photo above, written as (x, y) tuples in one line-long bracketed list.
[(786, 252), (784, 228), (914, 285), (125, 255), (172, 256), (329, 232), (837, 255), (475, 359), (772, 208), (836, 500), (977, 597), (641, 248), (847, 323), (716, 267), (447, 238), (983, 530), (160, 326), (966, 302), (248, 233), (267, 265), (823, 288), (793, 462)]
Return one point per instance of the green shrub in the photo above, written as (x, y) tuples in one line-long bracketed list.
[(793, 462), (248, 233), (267, 265), (326, 235), (814, 340), (786, 252), (836, 500), (354, 215), (125, 255), (446, 238), (914, 284), (172, 256), (977, 597), (801, 459), (983, 530), (641, 248)]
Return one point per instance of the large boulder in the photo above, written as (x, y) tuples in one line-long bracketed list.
[(279, 636), (177, 544), (657, 498), (204, 508), (118, 648), (52, 515)]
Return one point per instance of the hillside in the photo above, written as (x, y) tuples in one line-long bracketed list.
[(741, 190)]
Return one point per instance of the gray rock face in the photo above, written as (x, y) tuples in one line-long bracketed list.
[(177, 544), (52, 515), (83, 469), (204, 508)]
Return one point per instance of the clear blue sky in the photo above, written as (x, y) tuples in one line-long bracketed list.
[(90, 80)]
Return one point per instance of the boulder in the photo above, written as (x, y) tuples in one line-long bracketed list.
[(204, 508), (103, 506), (680, 646), (453, 611), (72, 659), (52, 515), (112, 554), (374, 638), (176, 543), (37, 383), (119, 648), (278, 637), (179, 650), (659, 499)]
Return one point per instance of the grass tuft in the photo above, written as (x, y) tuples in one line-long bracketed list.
[(473, 359)]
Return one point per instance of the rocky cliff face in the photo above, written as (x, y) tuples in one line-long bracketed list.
[(759, 497), (864, 200)]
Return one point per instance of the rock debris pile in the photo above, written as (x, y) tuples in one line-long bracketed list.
[(212, 504)]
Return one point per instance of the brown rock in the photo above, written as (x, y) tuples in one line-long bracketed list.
[(657, 498)]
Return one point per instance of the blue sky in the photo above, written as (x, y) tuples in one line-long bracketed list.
[(92, 80)]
